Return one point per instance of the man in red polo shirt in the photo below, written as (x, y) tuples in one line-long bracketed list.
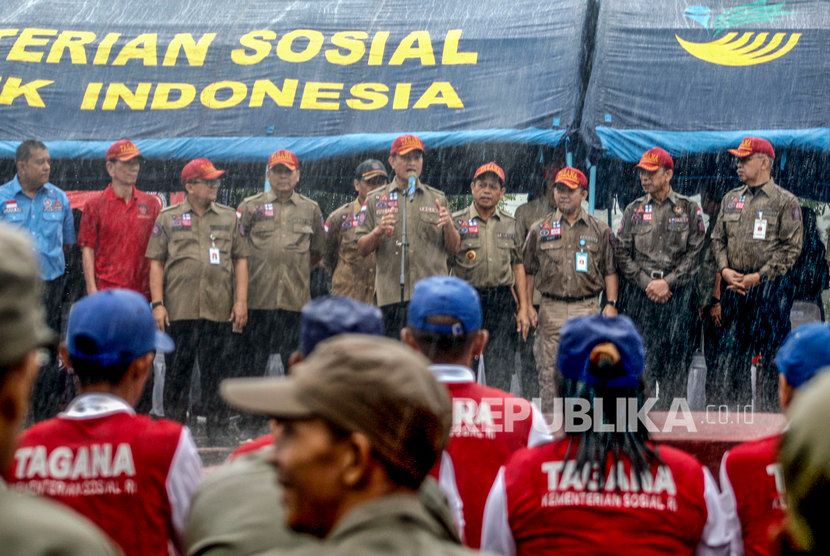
[(116, 227), (751, 479)]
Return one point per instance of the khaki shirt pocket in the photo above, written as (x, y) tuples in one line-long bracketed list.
[(300, 236), (678, 231), (551, 256), (223, 241), (183, 244), (469, 254), (731, 223), (643, 235), (428, 227)]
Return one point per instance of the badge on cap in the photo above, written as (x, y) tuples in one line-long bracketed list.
[(471, 255)]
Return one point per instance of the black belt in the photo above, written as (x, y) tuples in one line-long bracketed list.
[(569, 299)]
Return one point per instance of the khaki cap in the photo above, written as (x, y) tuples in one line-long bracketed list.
[(22, 325), (360, 383)]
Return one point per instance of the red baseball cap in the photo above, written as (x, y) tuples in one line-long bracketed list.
[(572, 177), (405, 144), (284, 157), (753, 145), (123, 150), (200, 169), (656, 158), (490, 167)]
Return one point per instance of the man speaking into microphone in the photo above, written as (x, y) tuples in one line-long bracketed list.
[(409, 226)]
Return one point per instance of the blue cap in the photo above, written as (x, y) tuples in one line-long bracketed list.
[(444, 296), (804, 352), (117, 327), (324, 317), (581, 335)]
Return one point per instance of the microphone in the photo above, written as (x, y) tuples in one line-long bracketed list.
[(411, 188)]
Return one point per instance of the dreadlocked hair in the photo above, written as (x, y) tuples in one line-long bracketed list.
[(592, 448)]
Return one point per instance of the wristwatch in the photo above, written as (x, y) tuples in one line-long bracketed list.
[(612, 303), (155, 304)]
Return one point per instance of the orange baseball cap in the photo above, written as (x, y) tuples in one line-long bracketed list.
[(656, 158), (123, 150), (284, 157), (490, 167), (200, 169), (572, 177), (405, 144), (753, 145)]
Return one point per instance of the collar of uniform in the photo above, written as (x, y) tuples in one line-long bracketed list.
[(356, 206), (17, 188), (473, 212), (394, 186), (3, 485), (109, 195), (671, 197), (452, 374), (272, 197), (398, 507), (96, 404), (766, 188), (557, 215)]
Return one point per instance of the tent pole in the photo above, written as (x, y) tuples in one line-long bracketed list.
[(592, 189)]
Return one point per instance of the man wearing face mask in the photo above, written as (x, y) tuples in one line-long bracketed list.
[(430, 234), (658, 252)]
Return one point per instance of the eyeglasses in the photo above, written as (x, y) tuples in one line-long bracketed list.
[(213, 184), (746, 159)]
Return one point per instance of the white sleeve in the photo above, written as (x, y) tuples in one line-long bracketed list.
[(730, 508), (496, 535), (446, 478), (715, 538), (539, 432), (183, 478)]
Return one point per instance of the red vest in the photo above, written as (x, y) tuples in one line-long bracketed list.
[(758, 484), (111, 469), (553, 509), (488, 425)]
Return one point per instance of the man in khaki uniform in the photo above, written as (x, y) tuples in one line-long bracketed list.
[(29, 525), (348, 477), (353, 275), (489, 259), (569, 256), (757, 238), (430, 234), (658, 252), (199, 289), (286, 239), (544, 202)]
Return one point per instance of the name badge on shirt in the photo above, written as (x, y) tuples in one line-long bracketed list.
[(213, 252), (760, 230), (582, 262)]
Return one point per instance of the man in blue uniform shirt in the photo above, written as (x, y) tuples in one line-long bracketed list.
[(29, 201)]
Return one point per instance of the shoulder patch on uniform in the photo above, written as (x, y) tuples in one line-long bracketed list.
[(796, 210), (612, 238), (156, 230)]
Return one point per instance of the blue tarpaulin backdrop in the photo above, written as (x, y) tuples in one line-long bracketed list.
[(231, 80), (696, 78)]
